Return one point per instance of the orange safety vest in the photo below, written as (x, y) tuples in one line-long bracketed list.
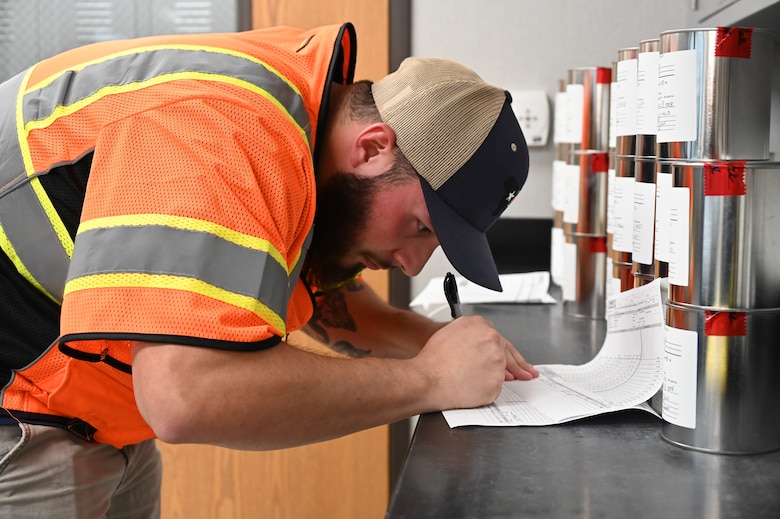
[(198, 208)]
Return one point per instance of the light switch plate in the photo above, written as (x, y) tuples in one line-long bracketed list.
[(532, 110)]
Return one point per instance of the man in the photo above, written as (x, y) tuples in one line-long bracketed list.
[(159, 242)]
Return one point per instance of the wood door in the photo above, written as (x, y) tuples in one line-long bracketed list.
[(346, 478)]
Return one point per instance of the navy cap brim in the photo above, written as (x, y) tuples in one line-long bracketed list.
[(474, 260), (473, 199)]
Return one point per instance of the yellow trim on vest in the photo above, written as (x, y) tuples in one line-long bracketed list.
[(54, 217), (167, 281), (8, 249), (188, 224), (164, 78), (62, 111)]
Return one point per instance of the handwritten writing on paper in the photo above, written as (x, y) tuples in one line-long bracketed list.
[(626, 373)]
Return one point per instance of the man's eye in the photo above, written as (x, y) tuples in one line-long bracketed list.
[(422, 228)]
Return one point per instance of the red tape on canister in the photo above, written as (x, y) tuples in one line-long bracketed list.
[(724, 178), (598, 245), (599, 162), (603, 75), (725, 324), (734, 42)]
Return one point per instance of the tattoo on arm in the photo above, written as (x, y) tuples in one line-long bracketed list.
[(332, 312)]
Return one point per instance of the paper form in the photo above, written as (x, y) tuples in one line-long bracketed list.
[(626, 373)]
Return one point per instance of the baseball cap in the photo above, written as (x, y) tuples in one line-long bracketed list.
[(463, 139)]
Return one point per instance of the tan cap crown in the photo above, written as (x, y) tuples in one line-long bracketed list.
[(440, 111)]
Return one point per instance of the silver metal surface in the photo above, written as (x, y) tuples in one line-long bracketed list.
[(734, 241), (610, 466), (590, 279), (624, 168), (645, 142), (622, 271), (736, 382), (733, 97), (592, 217), (595, 106), (625, 144)]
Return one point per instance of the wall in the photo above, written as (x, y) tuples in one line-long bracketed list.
[(529, 45)]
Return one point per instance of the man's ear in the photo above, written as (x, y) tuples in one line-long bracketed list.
[(372, 149)]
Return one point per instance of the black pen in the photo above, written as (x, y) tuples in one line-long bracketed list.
[(451, 293)]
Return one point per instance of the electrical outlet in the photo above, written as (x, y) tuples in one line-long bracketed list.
[(532, 110)]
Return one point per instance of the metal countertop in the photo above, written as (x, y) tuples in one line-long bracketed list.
[(614, 465)]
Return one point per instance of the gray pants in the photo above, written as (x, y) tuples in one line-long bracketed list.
[(49, 472)]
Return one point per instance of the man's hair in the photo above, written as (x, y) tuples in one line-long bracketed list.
[(360, 103), (362, 108)]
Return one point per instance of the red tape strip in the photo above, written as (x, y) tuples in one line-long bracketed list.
[(598, 245), (725, 324), (724, 178), (603, 75), (734, 42), (599, 162)]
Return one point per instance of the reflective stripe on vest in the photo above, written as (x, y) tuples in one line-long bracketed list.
[(107, 255), (27, 235), (32, 234)]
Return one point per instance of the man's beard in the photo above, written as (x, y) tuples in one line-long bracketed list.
[(344, 204)]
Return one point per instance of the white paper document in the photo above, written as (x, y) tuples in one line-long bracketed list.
[(526, 287), (625, 374)]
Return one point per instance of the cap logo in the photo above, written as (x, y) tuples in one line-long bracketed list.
[(511, 188)]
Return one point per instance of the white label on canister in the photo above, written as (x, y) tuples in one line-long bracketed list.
[(662, 203), (558, 185), (569, 287), (557, 241), (647, 93), (559, 117), (623, 214), (612, 103), (571, 193), (626, 96), (679, 235), (644, 223), (680, 377), (677, 96), (611, 175), (575, 96)]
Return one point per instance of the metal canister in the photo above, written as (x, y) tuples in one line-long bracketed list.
[(584, 290), (586, 209), (663, 186), (647, 98), (625, 103), (720, 379), (725, 240), (588, 97), (620, 208), (558, 185), (714, 94)]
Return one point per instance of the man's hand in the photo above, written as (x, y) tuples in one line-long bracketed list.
[(468, 361), (517, 368)]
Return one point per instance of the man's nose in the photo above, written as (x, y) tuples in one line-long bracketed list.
[(411, 260)]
